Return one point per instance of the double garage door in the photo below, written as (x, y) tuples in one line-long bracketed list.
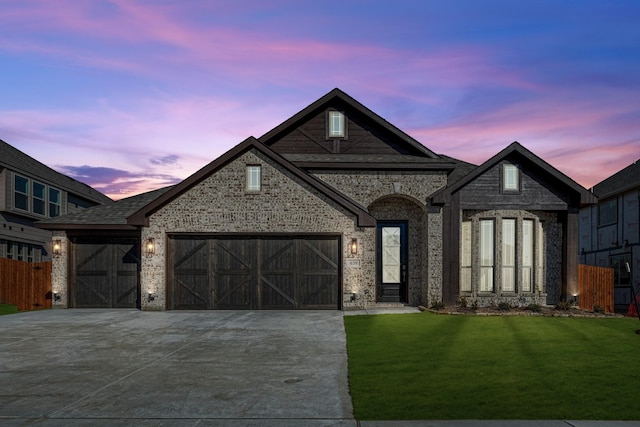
[(301, 272)]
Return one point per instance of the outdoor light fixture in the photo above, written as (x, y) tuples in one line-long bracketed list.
[(150, 246), (150, 297), (354, 246), (56, 296), (57, 247)]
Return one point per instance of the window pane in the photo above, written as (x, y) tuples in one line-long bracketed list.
[(486, 255), (608, 212), (38, 198), (508, 254), (510, 177), (253, 178), (21, 193), (336, 124), (465, 258), (391, 262), (486, 243), (54, 202)]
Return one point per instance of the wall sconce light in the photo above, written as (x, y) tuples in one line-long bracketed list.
[(353, 246), (57, 247), (150, 246), (575, 299), (353, 297), (56, 296), (150, 297)]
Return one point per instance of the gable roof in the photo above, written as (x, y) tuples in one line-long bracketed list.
[(13, 159), (620, 182), (110, 216), (139, 218), (518, 150), (325, 101)]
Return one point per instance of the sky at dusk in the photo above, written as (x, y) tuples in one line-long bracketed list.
[(133, 95)]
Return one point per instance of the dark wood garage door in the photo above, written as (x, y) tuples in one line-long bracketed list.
[(105, 273), (254, 273)]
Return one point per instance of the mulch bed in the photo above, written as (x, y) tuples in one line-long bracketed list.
[(520, 311)]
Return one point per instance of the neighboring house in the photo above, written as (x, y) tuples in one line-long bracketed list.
[(335, 208), (30, 192), (610, 231)]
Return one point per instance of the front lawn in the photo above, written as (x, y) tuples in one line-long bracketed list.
[(430, 366), (8, 309)]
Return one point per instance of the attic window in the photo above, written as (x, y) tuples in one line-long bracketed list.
[(336, 125), (254, 178), (510, 178)]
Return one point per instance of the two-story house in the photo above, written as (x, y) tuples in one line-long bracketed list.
[(335, 208), (31, 192), (610, 231)]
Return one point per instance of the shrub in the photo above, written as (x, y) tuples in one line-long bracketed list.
[(475, 305), (504, 306), (598, 309), (564, 305), (462, 302), (438, 305), (536, 308)]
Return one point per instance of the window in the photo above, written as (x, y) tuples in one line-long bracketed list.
[(21, 193), (38, 201), (54, 202), (510, 178), (254, 179), (509, 255), (465, 257), (608, 212), (540, 255), (527, 254), (11, 250), (336, 125), (486, 255)]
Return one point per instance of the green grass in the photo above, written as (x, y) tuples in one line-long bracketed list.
[(8, 309), (429, 366)]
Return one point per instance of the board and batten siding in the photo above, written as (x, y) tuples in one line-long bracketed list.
[(486, 192), (220, 204)]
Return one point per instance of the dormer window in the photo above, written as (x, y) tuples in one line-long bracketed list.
[(510, 178), (336, 125)]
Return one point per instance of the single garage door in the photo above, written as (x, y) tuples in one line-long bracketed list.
[(253, 273), (105, 273)]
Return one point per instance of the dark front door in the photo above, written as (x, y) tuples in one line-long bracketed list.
[(392, 261)]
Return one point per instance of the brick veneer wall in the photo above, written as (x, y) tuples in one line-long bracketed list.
[(393, 195), (284, 205)]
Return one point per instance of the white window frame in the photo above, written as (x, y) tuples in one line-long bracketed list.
[(466, 263), (254, 178), (16, 192), (42, 200), (487, 254), (53, 204), (510, 177), (509, 238), (336, 125)]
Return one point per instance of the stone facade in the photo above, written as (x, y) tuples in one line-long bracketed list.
[(60, 272), (220, 204)]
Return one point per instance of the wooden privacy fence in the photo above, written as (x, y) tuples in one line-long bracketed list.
[(25, 284), (595, 287)]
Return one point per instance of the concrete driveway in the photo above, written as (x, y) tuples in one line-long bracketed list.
[(118, 367)]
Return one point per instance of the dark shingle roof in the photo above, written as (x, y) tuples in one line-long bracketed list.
[(627, 179), (15, 160), (112, 215)]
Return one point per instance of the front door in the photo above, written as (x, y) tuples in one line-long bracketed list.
[(392, 261)]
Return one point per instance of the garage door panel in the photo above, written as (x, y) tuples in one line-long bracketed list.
[(258, 273), (233, 291), (278, 291), (105, 273)]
